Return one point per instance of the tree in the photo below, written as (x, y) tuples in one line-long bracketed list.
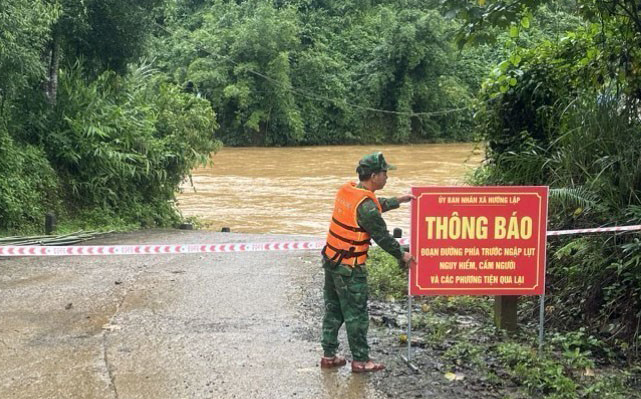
[(25, 31), (240, 60), (304, 72), (122, 142), (106, 33)]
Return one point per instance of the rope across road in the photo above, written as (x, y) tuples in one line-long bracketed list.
[(159, 249)]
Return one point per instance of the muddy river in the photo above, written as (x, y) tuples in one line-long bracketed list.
[(291, 190)]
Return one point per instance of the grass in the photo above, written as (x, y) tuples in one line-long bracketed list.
[(459, 330), (387, 280)]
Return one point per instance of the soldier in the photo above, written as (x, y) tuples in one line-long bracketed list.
[(356, 219)]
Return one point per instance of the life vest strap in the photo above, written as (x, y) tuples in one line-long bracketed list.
[(354, 242), (333, 258), (346, 254), (346, 227)]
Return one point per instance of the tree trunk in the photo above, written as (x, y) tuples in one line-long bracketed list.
[(52, 70)]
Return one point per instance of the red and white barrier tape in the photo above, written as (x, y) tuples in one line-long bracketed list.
[(31, 250), (98, 250), (595, 230)]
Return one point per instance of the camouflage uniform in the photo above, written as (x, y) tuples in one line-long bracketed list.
[(345, 290)]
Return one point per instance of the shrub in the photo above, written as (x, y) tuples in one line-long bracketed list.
[(28, 188), (386, 278), (124, 144)]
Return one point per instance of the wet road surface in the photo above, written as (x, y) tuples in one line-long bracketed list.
[(166, 326)]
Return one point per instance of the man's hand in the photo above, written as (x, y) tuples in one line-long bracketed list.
[(408, 259), (405, 198)]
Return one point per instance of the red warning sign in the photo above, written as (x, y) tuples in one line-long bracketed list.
[(478, 240)]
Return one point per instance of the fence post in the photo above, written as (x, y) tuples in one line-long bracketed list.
[(505, 312), (50, 223)]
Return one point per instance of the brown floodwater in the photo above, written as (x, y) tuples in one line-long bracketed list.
[(291, 190)]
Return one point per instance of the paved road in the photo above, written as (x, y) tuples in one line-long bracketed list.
[(165, 326)]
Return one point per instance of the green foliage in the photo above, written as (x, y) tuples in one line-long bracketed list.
[(294, 73), (464, 353), (28, 188), (440, 329), (570, 120), (507, 15), (523, 118), (118, 140), (572, 201), (611, 172), (595, 159), (525, 95), (386, 279), (462, 304), (239, 58), (127, 143), (24, 31), (570, 365), (117, 143), (84, 26), (97, 219), (564, 370), (407, 72), (540, 375), (578, 341)]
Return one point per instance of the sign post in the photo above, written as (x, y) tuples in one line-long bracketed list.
[(479, 241)]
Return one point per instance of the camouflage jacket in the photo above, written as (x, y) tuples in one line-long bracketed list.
[(371, 220)]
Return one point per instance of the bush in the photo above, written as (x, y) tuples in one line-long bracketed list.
[(28, 188), (591, 160), (563, 371), (386, 279), (540, 375), (124, 144)]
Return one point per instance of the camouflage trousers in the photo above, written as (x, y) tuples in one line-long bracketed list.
[(345, 293)]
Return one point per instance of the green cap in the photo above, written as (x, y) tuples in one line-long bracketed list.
[(373, 163)]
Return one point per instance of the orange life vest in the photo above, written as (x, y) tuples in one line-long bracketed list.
[(347, 242)]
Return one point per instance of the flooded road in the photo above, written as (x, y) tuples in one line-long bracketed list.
[(291, 190)]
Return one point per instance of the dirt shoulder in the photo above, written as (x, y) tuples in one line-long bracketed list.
[(458, 353), (386, 337)]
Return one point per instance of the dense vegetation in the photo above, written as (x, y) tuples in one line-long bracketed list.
[(324, 72), (87, 127), (105, 106), (569, 118), (562, 109), (459, 340)]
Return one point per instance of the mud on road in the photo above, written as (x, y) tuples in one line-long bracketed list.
[(387, 338)]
